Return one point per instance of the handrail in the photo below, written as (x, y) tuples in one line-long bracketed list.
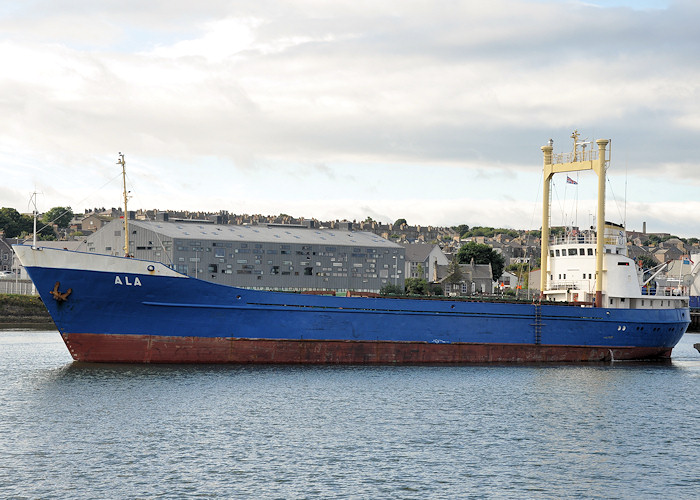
[(586, 239), (585, 155)]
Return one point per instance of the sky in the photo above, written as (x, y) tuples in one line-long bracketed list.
[(430, 111)]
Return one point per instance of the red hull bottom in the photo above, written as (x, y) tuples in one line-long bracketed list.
[(157, 349)]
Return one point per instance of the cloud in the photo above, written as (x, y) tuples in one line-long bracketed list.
[(245, 93)]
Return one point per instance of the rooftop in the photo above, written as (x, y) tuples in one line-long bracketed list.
[(264, 233)]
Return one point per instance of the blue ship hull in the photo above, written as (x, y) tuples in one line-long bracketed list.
[(158, 316)]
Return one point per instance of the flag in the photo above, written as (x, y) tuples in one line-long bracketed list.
[(569, 180)]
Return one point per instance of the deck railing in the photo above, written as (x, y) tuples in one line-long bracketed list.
[(581, 155), (573, 238), (583, 238)]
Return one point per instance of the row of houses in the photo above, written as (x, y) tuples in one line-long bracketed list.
[(282, 252), (524, 248), (279, 256)]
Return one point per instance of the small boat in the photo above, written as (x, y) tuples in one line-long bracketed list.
[(125, 310)]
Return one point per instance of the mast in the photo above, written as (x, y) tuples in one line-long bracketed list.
[(599, 168), (121, 162), (574, 163), (35, 214), (544, 255)]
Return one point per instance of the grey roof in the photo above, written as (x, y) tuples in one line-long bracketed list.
[(264, 234), (418, 252), (483, 271), (469, 272)]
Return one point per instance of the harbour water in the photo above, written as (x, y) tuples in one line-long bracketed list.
[(613, 430)]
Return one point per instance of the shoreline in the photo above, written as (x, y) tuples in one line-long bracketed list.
[(28, 326), (24, 312)]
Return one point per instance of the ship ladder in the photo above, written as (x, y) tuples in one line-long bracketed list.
[(538, 323)]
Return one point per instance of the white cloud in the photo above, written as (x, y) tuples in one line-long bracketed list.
[(221, 40), (344, 99)]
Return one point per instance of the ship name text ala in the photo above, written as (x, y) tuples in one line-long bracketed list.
[(125, 280)]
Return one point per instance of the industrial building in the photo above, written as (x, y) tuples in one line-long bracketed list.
[(266, 257)]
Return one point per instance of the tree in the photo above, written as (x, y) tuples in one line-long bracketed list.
[(461, 229), (399, 222), (482, 254), (390, 289), (11, 222), (15, 224), (45, 233), (61, 216), (416, 286), (648, 262), (481, 231), (454, 272)]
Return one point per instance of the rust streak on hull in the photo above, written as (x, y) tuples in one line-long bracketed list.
[(161, 349)]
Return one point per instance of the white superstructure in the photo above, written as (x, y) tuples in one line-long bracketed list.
[(579, 267)]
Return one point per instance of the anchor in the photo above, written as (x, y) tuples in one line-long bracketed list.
[(59, 296)]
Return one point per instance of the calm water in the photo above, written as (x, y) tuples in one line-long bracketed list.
[(622, 430)]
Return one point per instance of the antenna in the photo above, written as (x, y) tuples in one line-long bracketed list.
[(35, 214), (122, 162), (624, 223)]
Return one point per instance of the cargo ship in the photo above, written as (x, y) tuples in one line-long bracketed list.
[(591, 308)]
